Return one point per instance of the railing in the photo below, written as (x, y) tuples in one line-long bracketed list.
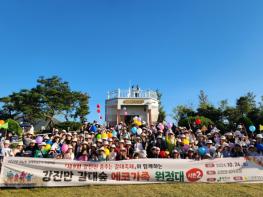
[(132, 94)]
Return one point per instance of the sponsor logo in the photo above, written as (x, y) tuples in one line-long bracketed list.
[(194, 174), (210, 172), (209, 165), (238, 178), (256, 178), (211, 179), (223, 179)]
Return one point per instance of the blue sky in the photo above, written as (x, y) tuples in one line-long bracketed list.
[(179, 47)]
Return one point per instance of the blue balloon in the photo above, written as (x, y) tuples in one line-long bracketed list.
[(252, 128), (93, 128), (114, 133), (259, 147), (134, 130), (202, 151), (49, 142)]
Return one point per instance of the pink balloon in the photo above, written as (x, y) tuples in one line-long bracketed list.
[(39, 139), (169, 125), (125, 113), (64, 148), (160, 126)]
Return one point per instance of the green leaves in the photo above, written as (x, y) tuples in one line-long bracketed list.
[(51, 97)]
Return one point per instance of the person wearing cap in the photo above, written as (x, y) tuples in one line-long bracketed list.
[(69, 154), (113, 154), (55, 143), (226, 150), (175, 154), (40, 151), (170, 141), (138, 145), (99, 143), (68, 138), (210, 148), (207, 156), (19, 150), (252, 151), (6, 151), (121, 145), (123, 154), (190, 154), (259, 138), (160, 143), (30, 149), (237, 151), (219, 151), (52, 153), (101, 154), (129, 149), (28, 137), (83, 155)]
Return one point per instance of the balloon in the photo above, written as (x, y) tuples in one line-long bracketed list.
[(139, 131), (93, 128), (252, 128), (259, 147), (49, 142), (135, 118), (161, 127), (98, 105), (104, 136), (2, 122), (98, 136), (48, 147), (186, 147), (109, 135), (98, 110), (169, 125), (124, 108), (137, 123), (186, 141), (101, 117), (134, 130), (139, 119), (39, 139), (64, 148), (198, 121), (125, 113), (202, 151), (114, 133), (162, 154)]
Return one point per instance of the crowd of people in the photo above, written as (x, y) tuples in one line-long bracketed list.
[(95, 142)]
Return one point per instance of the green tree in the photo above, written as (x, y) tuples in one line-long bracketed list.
[(203, 100), (246, 103), (162, 113), (50, 98), (182, 111)]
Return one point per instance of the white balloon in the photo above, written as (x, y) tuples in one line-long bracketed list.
[(139, 131)]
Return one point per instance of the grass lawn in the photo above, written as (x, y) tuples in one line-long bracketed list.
[(153, 190)]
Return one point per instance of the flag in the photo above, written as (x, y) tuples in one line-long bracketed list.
[(4, 126)]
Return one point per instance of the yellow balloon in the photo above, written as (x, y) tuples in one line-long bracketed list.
[(137, 123), (186, 141), (48, 147), (104, 136)]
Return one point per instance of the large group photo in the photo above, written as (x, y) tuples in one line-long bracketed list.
[(131, 98)]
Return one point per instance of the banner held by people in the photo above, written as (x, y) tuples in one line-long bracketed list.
[(32, 172)]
